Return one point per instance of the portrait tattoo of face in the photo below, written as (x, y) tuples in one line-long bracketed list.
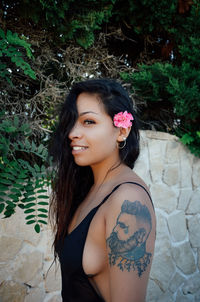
[(127, 241)]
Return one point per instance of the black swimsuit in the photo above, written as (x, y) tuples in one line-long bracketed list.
[(76, 286)]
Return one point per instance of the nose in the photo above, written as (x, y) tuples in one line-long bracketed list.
[(75, 132)]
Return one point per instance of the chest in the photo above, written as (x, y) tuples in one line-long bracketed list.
[(84, 248)]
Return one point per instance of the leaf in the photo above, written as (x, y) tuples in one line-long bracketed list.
[(30, 221), (16, 121), (29, 211), (43, 169), (42, 191), (42, 221), (43, 196), (42, 215), (37, 168), (21, 206), (10, 203), (43, 210), (29, 205), (11, 129), (27, 144), (2, 34), (187, 139), (29, 188), (28, 199), (198, 133), (14, 197), (43, 203), (29, 217), (22, 174), (7, 175), (3, 188), (9, 212), (39, 185), (40, 148), (37, 228), (34, 147), (2, 206), (14, 190), (5, 181), (17, 185)]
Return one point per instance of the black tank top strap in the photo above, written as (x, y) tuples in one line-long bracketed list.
[(126, 182)]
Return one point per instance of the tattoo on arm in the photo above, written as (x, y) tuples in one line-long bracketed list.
[(127, 242)]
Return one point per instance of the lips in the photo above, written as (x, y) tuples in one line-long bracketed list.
[(78, 149)]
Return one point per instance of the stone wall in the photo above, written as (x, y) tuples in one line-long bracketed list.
[(173, 175)]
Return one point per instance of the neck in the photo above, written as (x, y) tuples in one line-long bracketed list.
[(104, 173)]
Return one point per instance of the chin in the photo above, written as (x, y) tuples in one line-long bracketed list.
[(81, 163)]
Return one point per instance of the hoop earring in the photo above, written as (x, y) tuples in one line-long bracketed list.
[(121, 147)]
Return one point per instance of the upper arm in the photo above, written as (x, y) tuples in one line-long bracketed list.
[(130, 237)]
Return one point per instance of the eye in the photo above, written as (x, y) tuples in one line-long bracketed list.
[(89, 122), (122, 225)]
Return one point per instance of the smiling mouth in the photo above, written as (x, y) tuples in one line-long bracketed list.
[(76, 148)]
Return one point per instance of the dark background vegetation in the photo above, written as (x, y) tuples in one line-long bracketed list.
[(151, 47)]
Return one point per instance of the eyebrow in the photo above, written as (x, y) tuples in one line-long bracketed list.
[(86, 112)]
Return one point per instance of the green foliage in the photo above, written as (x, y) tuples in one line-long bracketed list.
[(175, 82), (178, 85), (69, 19), (10, 45), (24, 178), (147, 16)]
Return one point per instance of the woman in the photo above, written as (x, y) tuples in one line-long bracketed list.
[(104, 217)]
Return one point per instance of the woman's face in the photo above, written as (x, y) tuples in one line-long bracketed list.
[(93, 137)]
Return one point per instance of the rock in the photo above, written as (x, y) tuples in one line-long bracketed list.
[(186, 160), (184, 198), (183, 298), (171, 175), (163, 267), (56, 298), (26, 266), (49, 253), (184, 258), (12, 292), (197, 296), (159, 135), (11, 247), (198, 258), (143, 161), (16, 226), (3, 272), (177, 225), (53, 279), (166, 297), (172, 151), (164, 197), (176, 281), (156, 159), (153, 291), (196, 172), (35, 295), (161, 226), (194, 233), (192, 285), (194, 205), (37, 279)]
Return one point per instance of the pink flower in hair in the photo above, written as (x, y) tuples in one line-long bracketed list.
[(123, 119)]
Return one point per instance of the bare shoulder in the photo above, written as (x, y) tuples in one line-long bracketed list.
[(130, 229), (132, 191)]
